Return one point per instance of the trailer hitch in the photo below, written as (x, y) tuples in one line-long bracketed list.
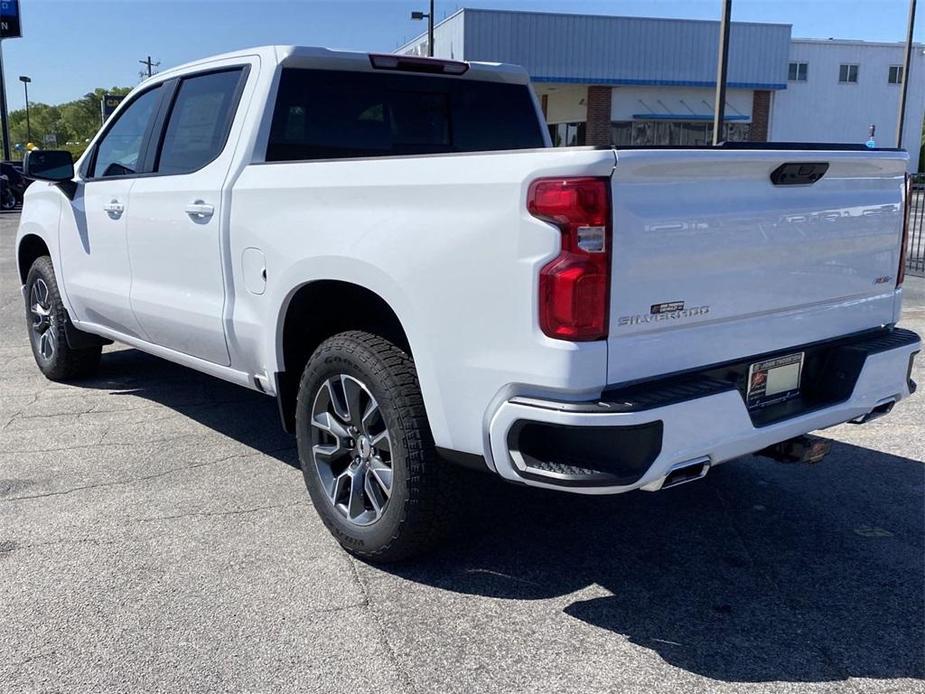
[(800, 449)]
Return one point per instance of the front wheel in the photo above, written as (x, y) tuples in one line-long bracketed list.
[(366, 450), (46, 319)]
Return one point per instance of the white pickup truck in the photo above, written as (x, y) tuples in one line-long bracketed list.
[(390, 247)]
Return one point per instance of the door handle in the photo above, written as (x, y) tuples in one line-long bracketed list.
[(200, 210), (114, 208)]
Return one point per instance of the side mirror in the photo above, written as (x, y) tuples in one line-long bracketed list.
[(49, 165)]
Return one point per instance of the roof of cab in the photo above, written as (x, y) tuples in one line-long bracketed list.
[(325, 58)]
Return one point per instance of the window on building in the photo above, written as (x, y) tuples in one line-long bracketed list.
[(798, 72), (896, 74), (673, 133), (567, 134), (848, 74)]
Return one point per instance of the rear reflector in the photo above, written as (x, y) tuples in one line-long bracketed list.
[(404, 63), (574, 287)]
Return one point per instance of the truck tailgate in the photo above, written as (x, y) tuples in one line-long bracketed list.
[(713, 262)]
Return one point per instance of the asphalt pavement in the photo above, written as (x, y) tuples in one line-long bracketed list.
[(155, 535)]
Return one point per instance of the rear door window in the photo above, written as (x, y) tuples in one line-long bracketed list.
[(199, 121), (324, 114)]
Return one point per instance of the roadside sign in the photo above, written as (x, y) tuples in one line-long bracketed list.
[(51, 140), (109, 103), (10, 26)]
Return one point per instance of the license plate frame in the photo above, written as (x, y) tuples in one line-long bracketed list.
[(771, 381)]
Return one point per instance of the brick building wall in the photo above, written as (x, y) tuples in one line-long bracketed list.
[(597, 129), (761, 109)]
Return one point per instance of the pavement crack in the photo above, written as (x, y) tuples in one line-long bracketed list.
[(18, 414), (99, 444), (31, 658), (234, 512), (68, 541), (391, 655), (145, 478)]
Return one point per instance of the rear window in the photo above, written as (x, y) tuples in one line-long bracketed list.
[(326, 114)]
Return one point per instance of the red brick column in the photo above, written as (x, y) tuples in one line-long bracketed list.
[(597, 129), (761, 111)]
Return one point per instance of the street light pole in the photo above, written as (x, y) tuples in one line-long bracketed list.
[(25, 85), (430, 27), (722, 63), (430, 30), (907, 66)]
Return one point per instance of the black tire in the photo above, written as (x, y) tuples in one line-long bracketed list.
[(8, 200), (421, 504), (47, 325)]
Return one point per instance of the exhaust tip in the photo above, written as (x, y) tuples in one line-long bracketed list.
[(879, 411), (686, 472)]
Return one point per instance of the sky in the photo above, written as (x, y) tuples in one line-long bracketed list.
[(69, 47)]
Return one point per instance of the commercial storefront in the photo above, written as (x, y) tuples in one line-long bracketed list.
[(643, 81)]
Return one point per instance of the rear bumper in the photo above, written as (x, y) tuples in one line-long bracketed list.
[(633, 437)]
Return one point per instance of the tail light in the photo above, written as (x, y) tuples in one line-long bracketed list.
[(907, 221), (575, 286)]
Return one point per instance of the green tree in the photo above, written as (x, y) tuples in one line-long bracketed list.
[(73, 123)]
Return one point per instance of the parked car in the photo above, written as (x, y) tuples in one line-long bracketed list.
[(390, 247), (12, 185)]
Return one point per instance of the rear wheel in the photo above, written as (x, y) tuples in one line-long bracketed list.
[(47, 321), (366, 450)]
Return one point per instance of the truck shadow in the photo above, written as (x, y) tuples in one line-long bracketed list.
[(761, 572), (241, 414)]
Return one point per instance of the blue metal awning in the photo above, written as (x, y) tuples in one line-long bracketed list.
[(682, 116)]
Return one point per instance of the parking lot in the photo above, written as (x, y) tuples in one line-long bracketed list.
[(155, 534)]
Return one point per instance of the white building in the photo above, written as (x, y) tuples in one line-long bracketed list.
[(634, 80), (838, 89)]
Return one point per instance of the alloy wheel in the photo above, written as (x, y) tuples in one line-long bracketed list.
[(352, 449), (44, 335)]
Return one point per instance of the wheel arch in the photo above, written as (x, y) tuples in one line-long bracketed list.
[(317, 310), (30, 248)]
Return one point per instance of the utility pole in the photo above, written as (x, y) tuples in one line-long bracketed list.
[(430, 27), (150, 65), (907, 65), (4, 116), (722, 63)]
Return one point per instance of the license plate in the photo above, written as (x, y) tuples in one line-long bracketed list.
[(774, 380)]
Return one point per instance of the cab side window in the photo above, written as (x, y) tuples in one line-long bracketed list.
[(199, 121), (119, 152)]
